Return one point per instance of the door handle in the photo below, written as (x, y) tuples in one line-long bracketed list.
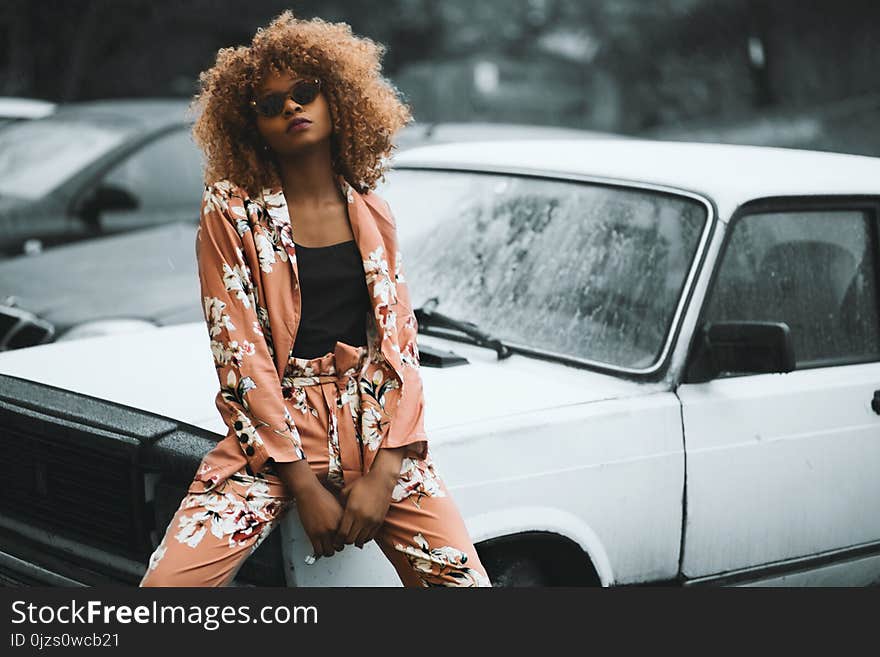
[(875, 403)]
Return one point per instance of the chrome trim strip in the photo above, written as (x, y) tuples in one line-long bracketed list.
[(11, 563), (690, 279), (97, 556), (74, 548)]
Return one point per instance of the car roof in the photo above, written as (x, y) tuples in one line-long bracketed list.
[(420, 134), (470, 130), (727, 174), (25, 108), (137, 114)]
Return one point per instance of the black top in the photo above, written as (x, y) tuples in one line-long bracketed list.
[(335, 298)]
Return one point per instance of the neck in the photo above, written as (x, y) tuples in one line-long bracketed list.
[(308, 178)]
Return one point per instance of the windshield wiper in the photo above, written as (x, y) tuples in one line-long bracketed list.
[(427, 317)]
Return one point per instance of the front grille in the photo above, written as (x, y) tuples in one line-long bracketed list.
[(72, 492), (71, 465), (73, 469), (53, 482)]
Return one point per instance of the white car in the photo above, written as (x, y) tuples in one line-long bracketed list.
[(14, 108), (670, 374)]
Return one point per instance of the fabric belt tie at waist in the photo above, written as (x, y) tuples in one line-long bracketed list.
[(349, 446)]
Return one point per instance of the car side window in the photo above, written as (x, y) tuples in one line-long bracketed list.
[(814, 270), (165, 173)]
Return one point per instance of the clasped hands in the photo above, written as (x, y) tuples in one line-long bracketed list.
[(331, 525)]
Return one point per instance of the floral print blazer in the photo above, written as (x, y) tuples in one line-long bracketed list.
[(252, 306)]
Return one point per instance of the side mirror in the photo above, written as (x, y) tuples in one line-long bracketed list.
[(740, 348), (105, 197)]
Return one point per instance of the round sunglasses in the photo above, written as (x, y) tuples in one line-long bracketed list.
[(302, 92)]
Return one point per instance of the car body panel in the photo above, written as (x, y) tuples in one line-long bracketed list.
[(774, 463)]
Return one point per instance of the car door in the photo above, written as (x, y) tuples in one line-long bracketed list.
[(37, 159), (782, 467), (164, 177)]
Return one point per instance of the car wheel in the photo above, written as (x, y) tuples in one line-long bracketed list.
[(513, 570)]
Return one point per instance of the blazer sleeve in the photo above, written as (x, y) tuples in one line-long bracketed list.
[(408, 426), (250, 399)]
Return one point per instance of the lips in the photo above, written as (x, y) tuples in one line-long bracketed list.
[(295, 123)]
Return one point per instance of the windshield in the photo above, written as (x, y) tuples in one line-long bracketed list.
[(37, 156), (583, 270)]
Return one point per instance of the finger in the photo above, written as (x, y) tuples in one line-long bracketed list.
[(362, 537), (338, 542), (344, 527), (373, 534), (354, 532), (327, 546)]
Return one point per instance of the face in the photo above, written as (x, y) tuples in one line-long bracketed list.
[(280, 132)]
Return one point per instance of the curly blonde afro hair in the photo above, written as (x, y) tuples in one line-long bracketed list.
[(365, 108)]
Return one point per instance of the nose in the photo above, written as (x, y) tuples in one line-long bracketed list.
[(291, 106)]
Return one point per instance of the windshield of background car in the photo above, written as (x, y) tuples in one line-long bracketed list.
[(583, 270), (37, 156)]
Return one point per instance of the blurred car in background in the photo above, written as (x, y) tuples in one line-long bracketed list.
[(94, 169), (138, 188), (97, 168), (425, 134), (14, 109)]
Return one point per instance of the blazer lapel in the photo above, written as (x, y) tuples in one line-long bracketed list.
[(284, 332), (378, 254)]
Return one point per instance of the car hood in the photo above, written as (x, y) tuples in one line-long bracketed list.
[(170, 372), (147, 274), (8, 203)]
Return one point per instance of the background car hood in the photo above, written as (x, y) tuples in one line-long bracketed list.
[(8, 203), (170, 372), (148, 274)]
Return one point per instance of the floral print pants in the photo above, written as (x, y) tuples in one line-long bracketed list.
[(215, 530)]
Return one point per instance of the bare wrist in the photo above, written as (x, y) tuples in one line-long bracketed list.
[(386, 466), (297, 476), (385, 478)]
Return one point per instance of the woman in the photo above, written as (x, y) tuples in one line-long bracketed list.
[(311, 328)]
